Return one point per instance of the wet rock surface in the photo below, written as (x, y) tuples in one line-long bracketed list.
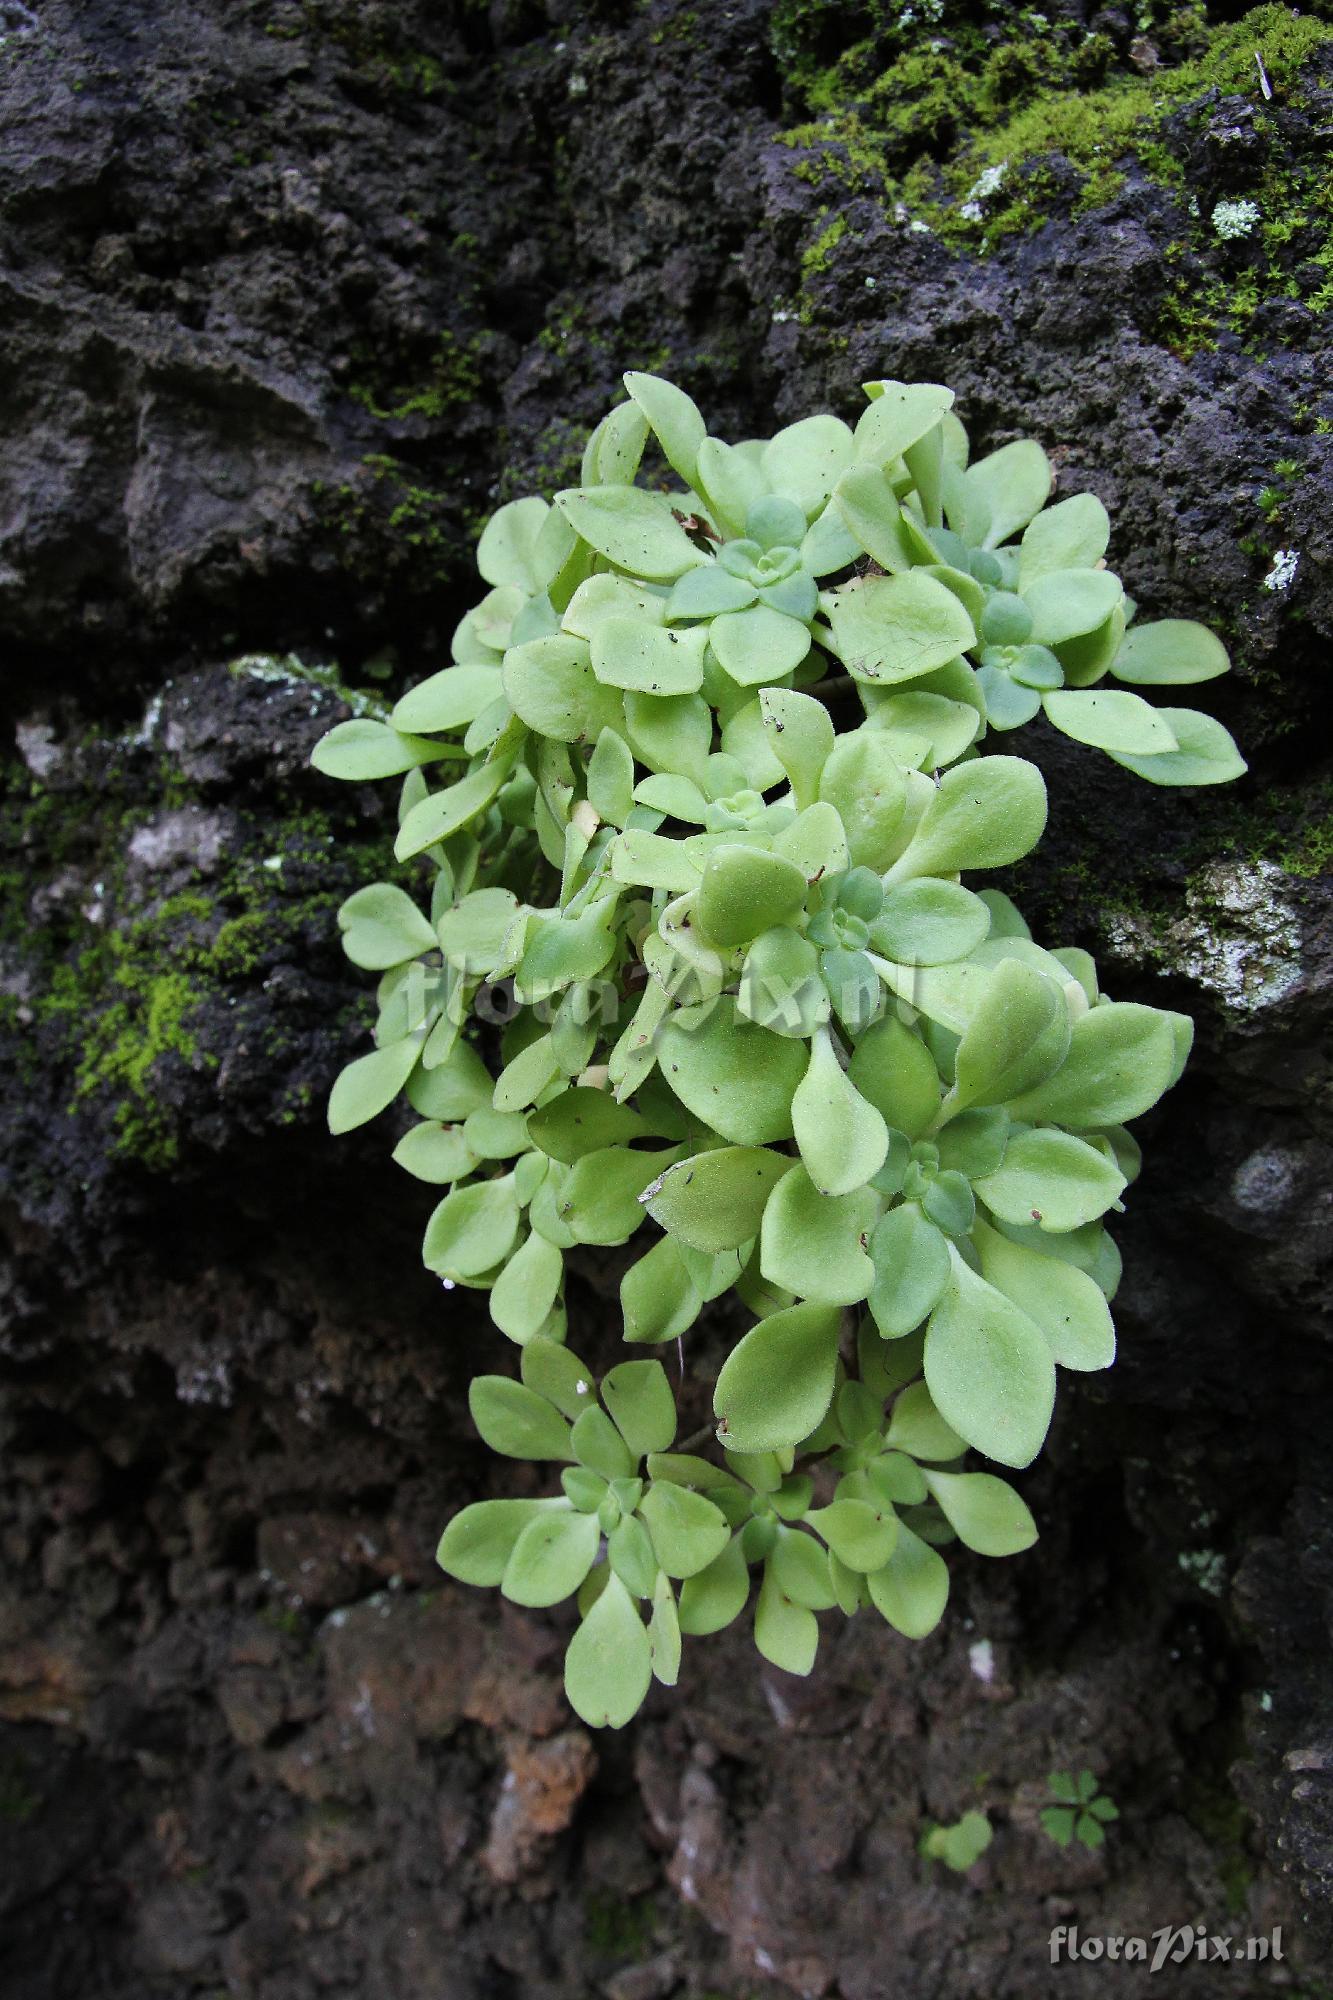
[(293, 295)]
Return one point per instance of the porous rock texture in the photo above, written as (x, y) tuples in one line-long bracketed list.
[(293, 294)]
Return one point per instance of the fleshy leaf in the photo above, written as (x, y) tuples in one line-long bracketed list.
[(381, 927), (366, 1086), (814, 1244), (642, 1407), (715, 1200), (983, 814), (1122, 1057), (608, 1667), (739, 1079), (897, 628), (776, 1385), (786, 1634), (917, 1427), (515, 1421), (1110, 719), (712, 1598), (477, 1544), (526, 1290), (862, 779), (912, 1589), (1053, 1179), (551, 1558), (744, 891), (989, 1369), (1169, 652), (1018, 1035), (675, 419), (648, 659), (658, 1295), (1067, 1304), (633, 529), (1206, 753), (1072, 534), (688, 1532), (927, 922), (911, 1259), (842, 1138), (984, 1512), (472, 1230)]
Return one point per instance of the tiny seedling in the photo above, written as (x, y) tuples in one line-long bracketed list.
[(960, 1845), (686, 952), (1082, 1814)]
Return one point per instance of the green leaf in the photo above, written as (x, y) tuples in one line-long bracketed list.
[(744, 891), (688, 1532), (525, 1078), (630, 1554), (843, 1140), (737, 1078), (362, 1090), (642, 1407), (862, 780), (714, 1597), (608, 1667), (800, 1570), (526, 1290), (707, 592), (973, 1143), (1110, 720), (896, 628), (984, 1512), (781, 986), (803, 461), (1053, 1179), (600, 1201), (472, 935), (989, 1369), (435, 1153), (927, 922), (658, 1295), (915, 717), (1122, 1058), (598, 1445), (650, 659), (958, 1847), (551, 686), (1012, 485), (477, 1544), (515, 1421), (449, 700), (815, 841), (917, 1427), (801, 731), (1058, 1822), (506, 550), (1068, 603), (786, 1634), (653, 861), (867, 502), (364, 749), (1169, 652), (1206, 755), (715, 1201), (814, 1244), (758, 645), (899, 416), (443, 813), (983, 814), (582, 1120), (552, 1372), (382, 927), (911, 1261), (472, 1230), (633, 529), (895, 1071), (551, 1558), (912, 1589), (613, 451), (664, 1634), (777, 1383), (611, 778), (1065, 1302), (453, 1088), (1018, 1035), (861, 1536), (1071, 535), (730, 481), (675, 419)]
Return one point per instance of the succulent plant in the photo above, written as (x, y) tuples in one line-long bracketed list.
[(692, 962)]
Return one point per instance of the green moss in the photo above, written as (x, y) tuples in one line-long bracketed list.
[(18, 1800), (619, 1927), (452, 376), (976, 131)]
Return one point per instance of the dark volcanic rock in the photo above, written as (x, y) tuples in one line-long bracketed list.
[(293, 293)]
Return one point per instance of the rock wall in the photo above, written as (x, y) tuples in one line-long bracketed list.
[(294, 293)]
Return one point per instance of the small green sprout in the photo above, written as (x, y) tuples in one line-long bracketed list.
[(683, 953), (1082, 1813), (960, 1845)]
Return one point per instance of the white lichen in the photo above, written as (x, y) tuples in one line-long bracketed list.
[(1283, 570), (1237, 937), (1235, 218), (988, 182)]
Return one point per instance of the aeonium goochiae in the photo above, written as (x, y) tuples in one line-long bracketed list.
[(686, 955)]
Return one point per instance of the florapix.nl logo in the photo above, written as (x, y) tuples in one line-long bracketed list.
[(1173, 1944)]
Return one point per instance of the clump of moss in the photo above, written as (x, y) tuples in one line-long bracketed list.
[(976, 128)]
